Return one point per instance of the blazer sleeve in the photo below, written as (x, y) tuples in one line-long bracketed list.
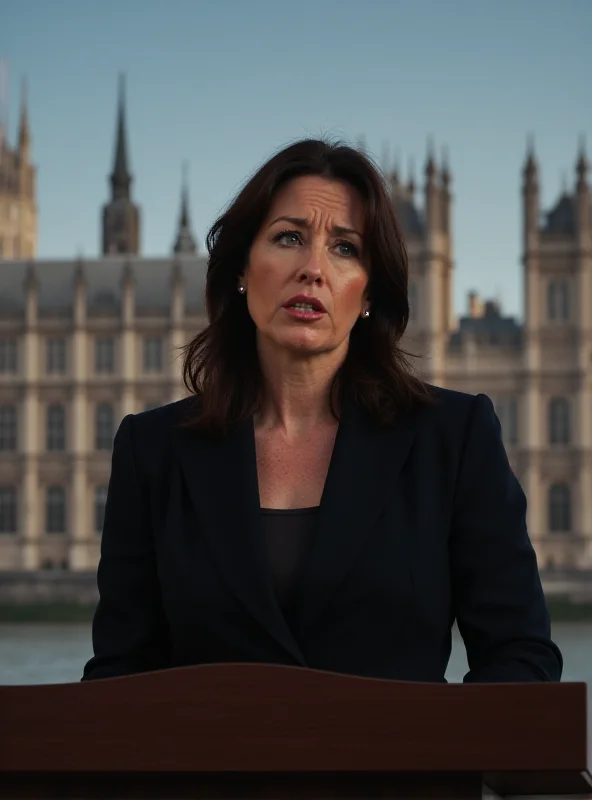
[(498, 597), (128, 632)]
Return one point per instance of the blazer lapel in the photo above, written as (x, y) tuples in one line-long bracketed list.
[(221, 476), (364, 467)]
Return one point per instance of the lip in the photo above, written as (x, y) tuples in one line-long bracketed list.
[(303, 298)]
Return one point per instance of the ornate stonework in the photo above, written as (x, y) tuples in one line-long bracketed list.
[(18, 193)]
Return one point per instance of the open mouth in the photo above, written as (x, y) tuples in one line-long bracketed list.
[(305, 305)]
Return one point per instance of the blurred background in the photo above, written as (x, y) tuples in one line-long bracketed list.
[(127, 126)]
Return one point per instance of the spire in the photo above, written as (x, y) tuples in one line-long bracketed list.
[(530, 166), (185, 241), (411, 179), (582, 204), (445, 168), (121, 216), (430, 167), (24, 136), (121, 177), (582, 165), (530, 198)]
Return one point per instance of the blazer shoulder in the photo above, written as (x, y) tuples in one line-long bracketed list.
[(167, 416), (453, 412), (153, 430)]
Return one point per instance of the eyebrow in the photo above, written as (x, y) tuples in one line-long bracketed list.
[(338, 230)]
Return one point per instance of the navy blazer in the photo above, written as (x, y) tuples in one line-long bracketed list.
[(420, 524)]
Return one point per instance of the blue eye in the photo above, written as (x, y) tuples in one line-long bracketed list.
[(347, 249), (287, 238)]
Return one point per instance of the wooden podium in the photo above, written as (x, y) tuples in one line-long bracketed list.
[(254, 731)]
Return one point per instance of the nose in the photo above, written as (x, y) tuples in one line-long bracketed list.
[(313, 270)]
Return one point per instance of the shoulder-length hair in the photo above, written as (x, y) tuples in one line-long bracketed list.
[(220, 363)]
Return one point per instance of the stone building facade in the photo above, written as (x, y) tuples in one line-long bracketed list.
[(539, 373), (83, 343)]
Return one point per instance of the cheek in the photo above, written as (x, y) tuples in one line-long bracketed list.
[(351, 293), (263, 285), (264, 269)]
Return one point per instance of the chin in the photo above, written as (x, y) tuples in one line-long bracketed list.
[(305, 343)]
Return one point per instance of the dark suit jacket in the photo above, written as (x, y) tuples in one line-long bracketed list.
[(420, 524)]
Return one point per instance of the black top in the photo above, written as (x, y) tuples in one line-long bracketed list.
[(288, 537)]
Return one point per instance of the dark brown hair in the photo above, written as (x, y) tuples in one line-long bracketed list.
[(221, 364)]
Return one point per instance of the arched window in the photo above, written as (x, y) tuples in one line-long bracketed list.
[(100, 501), (56, 428), (551, 301), (8, 509), (8, 426), (55, 356), (104, 427), (104, 354), (563, 300), (558, 301), (559, 421), (506, 408), (153, 354), (55, 509), (559, 508)]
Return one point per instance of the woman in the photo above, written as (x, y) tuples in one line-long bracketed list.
[(312, 502)]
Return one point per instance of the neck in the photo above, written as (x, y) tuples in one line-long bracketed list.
[(298, 389)]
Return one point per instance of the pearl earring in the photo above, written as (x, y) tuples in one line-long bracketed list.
[(366, 314), (241, 289)]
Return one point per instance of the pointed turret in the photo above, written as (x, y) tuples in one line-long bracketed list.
[(121, 177), (121, 217), (18, 181), (531, 171), (530, 197), (411, 179), (430, 167), (185, 241), (24, 134), (445, 172), (445, 194), (433, 212), (582, 199), (582, 165)]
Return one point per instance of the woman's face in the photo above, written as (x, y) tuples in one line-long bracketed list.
[(306, 280)]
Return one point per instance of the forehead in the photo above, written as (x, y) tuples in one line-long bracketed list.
[(311, 196)]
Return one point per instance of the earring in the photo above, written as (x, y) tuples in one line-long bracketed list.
[(366, 314), (241, 288)]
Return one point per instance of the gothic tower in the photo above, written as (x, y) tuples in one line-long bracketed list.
[(428, 235), (185, 243), (556, 458), (121, 217), (18, 192)]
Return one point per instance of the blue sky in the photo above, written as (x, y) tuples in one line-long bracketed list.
[(224, 83)]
